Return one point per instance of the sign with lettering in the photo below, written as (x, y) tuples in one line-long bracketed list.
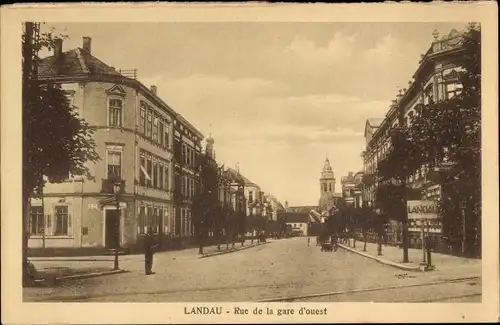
[(422, 210), (93, 206)]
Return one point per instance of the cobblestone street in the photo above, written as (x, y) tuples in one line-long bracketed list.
[(281, 270)]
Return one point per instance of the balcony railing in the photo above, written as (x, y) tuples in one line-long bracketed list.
[(107, 185)]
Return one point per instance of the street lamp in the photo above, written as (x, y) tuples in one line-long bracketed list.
[(116, 191), (379, 230)]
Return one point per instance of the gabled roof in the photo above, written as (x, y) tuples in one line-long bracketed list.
[(249, 182), (73, 62), (374, 123), (234, 176)]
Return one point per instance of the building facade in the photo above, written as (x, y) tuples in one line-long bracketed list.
[(435, 79), (186, 149), (133, 131), (352, 189)]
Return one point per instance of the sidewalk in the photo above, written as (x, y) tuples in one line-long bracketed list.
[(80, 265), (394, 256), (213, 251)]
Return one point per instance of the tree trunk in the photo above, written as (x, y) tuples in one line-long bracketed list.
[(405, 240), (379, 243), (201, 237), (27, 277)]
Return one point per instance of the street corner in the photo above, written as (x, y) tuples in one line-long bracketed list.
[(403, 266)]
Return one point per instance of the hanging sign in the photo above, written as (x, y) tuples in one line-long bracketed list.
[(419, 209)]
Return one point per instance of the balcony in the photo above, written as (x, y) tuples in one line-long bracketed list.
[(107, 185)]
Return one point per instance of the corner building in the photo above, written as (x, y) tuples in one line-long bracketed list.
[(133, 132)]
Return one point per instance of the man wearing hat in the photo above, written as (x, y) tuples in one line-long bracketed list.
[(149, 246)]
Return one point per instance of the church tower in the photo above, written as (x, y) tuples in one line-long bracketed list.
[(209, 149), (327, 184)]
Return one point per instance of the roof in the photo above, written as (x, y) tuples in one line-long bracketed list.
[(374, 123), (234, 175), (73, 62), (294, 217), (302, 209), (249, 182), (79, 62)]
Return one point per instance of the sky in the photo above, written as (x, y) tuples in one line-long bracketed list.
[(278, 98)]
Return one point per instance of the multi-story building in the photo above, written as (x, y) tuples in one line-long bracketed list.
[(351, 188), (435, 79), (133, 131), (187, 148), (253, 198)]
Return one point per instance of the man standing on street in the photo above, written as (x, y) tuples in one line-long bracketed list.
[(308, 241), (149, 247)]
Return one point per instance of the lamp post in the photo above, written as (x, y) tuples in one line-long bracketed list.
[(116, 191), (379, 230)]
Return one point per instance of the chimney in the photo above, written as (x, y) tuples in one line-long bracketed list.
[(154, 89), (58, 44), (87, 44)]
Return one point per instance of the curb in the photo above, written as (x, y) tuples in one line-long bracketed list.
[(48, 259), (383, 261), (232, 250), (85, 275)]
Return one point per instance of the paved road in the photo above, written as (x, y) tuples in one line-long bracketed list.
[(280, 269)]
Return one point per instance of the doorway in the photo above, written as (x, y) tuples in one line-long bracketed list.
[(112, 235)]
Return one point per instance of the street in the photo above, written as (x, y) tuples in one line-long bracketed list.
[(283, 270)]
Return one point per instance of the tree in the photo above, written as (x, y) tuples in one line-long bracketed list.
[(450, 130), (57, 142), (206, 205), (393, 171)]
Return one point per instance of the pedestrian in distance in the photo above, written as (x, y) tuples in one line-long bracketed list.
[(149, 247), (308, 241)]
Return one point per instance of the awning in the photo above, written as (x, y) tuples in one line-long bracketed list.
[(145, 173)]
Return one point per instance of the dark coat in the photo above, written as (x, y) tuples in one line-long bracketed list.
[(149, 243)]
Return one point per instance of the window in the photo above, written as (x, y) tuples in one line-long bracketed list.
[(62, 221), (188, 156), (142, 126), (166, 178), (161, 132), (155, 174), (115, 112), (329, 187), (141, 223), (167, 137), (429, 95), (149, 170), (182, 185), (452, 90), (156, 221), (161, 183), (149, 125), (161, 221), (114, 164), (184, 149), (155, 128), (325, 189), (250, 197), (149, 216), (142, 174), (36, 220)]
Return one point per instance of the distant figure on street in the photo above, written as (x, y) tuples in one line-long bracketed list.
[(149, 247), (308, 241)]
